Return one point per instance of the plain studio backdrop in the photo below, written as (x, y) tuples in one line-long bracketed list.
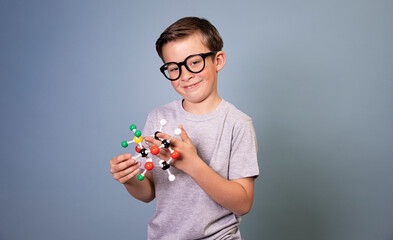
[(315, 76)]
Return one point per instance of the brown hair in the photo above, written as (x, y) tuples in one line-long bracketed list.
[(187, 26)]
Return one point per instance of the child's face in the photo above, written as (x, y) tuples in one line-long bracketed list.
[(193, 87)]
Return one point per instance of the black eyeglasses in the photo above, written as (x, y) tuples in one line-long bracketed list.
[(194, 63)]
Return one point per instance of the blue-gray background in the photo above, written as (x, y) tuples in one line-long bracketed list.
[(315, 76)]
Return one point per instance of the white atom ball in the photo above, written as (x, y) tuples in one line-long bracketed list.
[(177, 131), (163, 122), (171, 178)]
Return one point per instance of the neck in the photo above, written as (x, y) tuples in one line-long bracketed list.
[(200, 108)]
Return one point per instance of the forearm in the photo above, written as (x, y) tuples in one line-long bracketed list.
[(141, 190), (234, 195)]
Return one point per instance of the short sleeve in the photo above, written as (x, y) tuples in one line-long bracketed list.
[(243, 159)]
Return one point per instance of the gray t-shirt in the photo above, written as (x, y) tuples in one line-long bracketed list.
[(225, 139)]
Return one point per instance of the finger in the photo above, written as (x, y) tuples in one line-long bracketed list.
[(127, 171), (152, 141), (184, 136), (115, 168), (127, 177), (163, 154), (174, 140), (120, 158), (163, 135)]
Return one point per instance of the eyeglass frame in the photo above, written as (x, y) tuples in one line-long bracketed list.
[(184, 63)]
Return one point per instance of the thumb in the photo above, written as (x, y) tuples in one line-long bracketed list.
[(184, 135)]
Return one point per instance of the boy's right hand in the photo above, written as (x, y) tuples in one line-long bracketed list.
[(124, 168)]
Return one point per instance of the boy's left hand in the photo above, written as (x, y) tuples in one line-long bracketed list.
[(188, 154)]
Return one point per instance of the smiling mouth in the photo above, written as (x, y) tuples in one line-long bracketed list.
[(192, 86)]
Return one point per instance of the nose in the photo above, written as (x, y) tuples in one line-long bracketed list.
[(185, 74)]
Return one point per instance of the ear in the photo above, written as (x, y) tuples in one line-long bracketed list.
[(220, 60)]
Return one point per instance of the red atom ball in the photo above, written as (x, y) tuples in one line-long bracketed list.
[(149, 166), (137, 148), (175, 154), (154, 150)]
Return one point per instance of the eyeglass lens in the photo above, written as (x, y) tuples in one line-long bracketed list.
[(194, 64)]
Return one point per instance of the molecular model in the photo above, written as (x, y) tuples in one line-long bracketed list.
[(144, 152)]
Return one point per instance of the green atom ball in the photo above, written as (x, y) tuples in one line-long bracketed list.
[(141, 177), (132, 127), (138, 133), (124, 144)]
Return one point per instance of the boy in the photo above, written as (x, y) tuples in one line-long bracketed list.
[(218, 151)]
